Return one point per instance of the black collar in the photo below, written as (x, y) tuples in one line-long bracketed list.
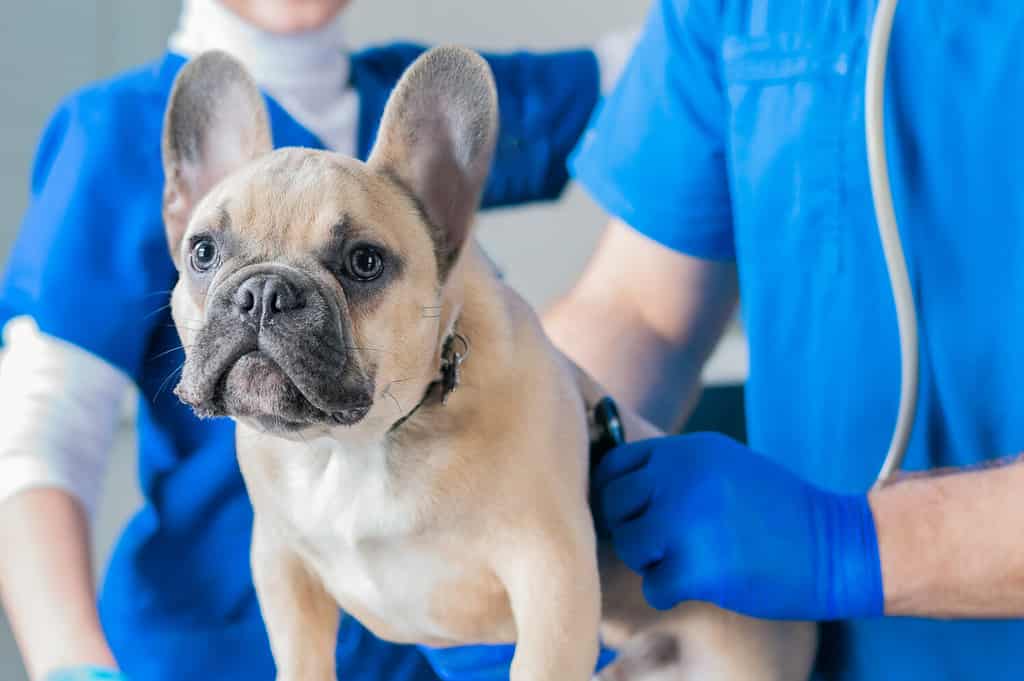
[(448, 381)]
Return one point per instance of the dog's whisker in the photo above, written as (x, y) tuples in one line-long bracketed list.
[(169, 351), (357, 347), (167, 381), (157, 311), (408, 378), (343, 348), (387, 391), (363, 347)]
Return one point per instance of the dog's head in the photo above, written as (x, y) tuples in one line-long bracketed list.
[(311, 285)]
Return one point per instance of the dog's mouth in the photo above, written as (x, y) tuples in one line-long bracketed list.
[(251, 384), (256, 386)]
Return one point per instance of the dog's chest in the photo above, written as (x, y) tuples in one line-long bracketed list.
[(348, 497), (366, 534)]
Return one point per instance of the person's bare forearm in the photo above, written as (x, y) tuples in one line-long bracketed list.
[(46, 582), (635, 366), (952, 543), (642, 320)]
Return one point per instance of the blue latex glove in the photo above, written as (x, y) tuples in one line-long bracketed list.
[(470, 663), (702, 517), (483, 663), (86, 674)]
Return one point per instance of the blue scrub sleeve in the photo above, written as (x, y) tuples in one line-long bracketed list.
[(654, 155), (545, 102), (91, 263)]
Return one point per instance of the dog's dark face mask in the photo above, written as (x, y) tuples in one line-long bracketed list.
[(312, 287), (276, 340)]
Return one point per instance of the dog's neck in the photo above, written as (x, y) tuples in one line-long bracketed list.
[(454, 350), (452, 346), (472, 318)]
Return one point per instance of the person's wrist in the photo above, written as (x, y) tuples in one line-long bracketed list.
[(850, 570), (911, 517)]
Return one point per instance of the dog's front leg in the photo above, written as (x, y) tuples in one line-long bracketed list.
[(300, 616), (555, 595)]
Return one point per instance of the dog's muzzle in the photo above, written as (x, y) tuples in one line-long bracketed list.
[(274, 348)]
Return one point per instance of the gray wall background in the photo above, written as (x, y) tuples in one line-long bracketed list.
[(49, 47)]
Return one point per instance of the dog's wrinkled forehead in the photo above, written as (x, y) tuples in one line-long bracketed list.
[(300, 200)]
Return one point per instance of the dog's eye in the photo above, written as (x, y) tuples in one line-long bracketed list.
[(365, 263), (204, 255)]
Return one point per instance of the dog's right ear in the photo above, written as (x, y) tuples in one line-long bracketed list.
[(215, 122)]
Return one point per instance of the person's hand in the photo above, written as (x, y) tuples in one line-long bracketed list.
[(482, 662), (702, 517), (85, 674)]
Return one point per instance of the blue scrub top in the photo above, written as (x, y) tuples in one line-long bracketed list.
[(91, 265), (737, 133)]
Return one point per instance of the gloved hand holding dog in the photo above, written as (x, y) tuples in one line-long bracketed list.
[(702, 517)]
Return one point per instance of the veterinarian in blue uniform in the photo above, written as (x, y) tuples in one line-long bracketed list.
[(90, 272), (732, 157)]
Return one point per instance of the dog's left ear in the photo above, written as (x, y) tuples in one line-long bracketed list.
[(437, 139), (215, 122)]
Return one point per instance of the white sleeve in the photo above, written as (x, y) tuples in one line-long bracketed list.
[(60, 410), (613, 51)]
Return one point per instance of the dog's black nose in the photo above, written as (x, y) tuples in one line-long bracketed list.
[(262, 297)]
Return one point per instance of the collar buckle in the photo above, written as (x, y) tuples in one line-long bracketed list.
[(451, 364)]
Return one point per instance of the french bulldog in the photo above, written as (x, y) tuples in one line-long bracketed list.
[(415, 449)]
